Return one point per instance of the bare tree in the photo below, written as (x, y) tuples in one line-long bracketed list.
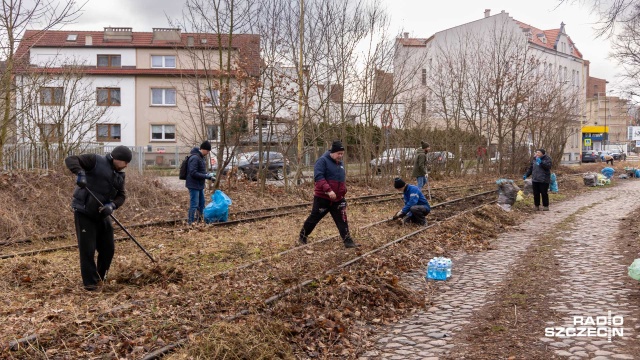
[(15, 18), (58, 109)]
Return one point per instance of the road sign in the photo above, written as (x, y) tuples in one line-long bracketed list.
[(587, 142)]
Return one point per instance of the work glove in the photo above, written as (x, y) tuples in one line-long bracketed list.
[(81, 180), (538, 161), (211, 176), (107, 209), (524, 177), (398, 215)]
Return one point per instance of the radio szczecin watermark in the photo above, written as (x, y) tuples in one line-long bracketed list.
[(589, 326)]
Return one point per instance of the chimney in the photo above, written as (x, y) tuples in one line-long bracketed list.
[(166, 34), (88, 40), (118, 34), (406, 35), (487, 13)]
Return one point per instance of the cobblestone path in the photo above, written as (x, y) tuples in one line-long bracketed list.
[(591, 282)]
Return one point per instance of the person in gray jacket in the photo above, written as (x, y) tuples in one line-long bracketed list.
[(420, 165), (540, 171)]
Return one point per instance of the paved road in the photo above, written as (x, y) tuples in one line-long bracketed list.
[(591, 283)]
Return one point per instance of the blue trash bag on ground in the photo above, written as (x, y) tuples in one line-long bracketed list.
[(637, 173), (608, 172), (553, 186), (218, 209)]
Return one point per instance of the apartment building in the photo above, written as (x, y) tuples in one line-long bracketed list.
[(120, 87), (461, 54)]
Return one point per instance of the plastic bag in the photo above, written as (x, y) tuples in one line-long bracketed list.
[(634, 269), (218, 209), (520, 196), (507, 193), (590, 179), (608, 172), (553, 186), (528, 187)]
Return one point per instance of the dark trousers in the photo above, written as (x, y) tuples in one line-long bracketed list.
[(610, 161), (94, 235), (540, 189), (418, 214), (320, 208)]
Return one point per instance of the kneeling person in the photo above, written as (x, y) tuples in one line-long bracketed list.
[(416, 207)]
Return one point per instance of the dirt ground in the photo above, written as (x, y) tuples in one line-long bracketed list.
[(146, 308)]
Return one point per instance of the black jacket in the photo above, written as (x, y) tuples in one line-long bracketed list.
[(540, 173), (103, 180)]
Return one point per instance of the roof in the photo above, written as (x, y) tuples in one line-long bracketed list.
[(248, 45), (550, 35), (413, 41)]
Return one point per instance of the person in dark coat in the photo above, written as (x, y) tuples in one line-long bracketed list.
[(196, 176), (102, 176), (328, 195), (416, 207), (540, 171), (420, 165)]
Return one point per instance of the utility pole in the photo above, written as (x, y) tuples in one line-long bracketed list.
[(300, 87)]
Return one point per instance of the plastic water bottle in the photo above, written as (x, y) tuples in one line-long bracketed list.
[(449, 264), (431, 269), (441, 269)]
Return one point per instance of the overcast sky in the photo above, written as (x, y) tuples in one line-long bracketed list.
[(421, 18)]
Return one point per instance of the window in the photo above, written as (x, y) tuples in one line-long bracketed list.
[(211, 97), (424, 76), (212, 132), (163, 132), (163, 61), (573, 77), (163, 97), (108, 132), (424, 106), (50, 132), (108, 96), (109, 61), (51, 96), (72, 37)]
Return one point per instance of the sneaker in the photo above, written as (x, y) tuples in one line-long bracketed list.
[(302, 241), (545, 208), (350, 244), (537, 208)]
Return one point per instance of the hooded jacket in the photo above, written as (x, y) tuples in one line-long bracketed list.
[(540, 173), (413, 196), (420, 164), (196, 170), (329, 175)]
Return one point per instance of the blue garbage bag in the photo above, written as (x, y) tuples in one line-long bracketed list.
[(553, 186), (218, 209), (637, 173), (607, 172)]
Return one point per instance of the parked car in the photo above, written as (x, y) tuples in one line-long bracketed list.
[(439, 157), (589, 157), (276, 164), (391, 160), (234, 162), (619, 155)]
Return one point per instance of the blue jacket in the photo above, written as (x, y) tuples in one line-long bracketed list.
[(196, 170), (329, 175), (413, 196)]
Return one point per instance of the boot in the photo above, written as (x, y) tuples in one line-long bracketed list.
[(545, 208), (537, 207), (348, 243)]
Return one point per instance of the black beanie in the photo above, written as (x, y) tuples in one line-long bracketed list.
[(542, 151), (398, 183), (122, 152), (336, 146), (206, 145), (424, 145)]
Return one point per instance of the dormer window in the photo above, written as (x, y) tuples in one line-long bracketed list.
[(542, 38), (72, 37)]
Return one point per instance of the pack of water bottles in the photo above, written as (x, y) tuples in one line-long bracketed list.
[(439, 268)]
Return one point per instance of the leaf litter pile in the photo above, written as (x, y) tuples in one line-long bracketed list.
[(200, 294)]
